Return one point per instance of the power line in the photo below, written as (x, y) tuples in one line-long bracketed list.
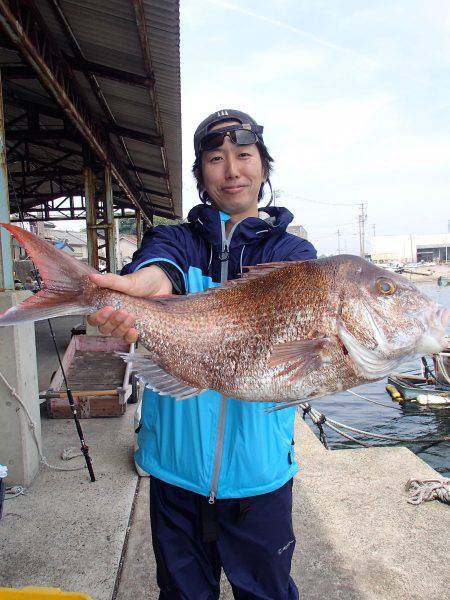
[(296, 197)]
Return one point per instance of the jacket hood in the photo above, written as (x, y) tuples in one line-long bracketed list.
[(272, 221)]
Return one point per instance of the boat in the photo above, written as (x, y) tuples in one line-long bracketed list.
[(409, 387), (443, 281), (430, 388)]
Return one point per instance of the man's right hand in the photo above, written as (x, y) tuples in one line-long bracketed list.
[(149, 281)]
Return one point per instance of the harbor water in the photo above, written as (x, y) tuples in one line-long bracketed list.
[(392, 420)]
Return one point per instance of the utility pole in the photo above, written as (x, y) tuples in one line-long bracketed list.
[(339, 241), (362, 219), (373, 227)]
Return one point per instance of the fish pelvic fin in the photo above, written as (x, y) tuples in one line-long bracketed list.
[(64, 282), (156, 378), (298, 357)]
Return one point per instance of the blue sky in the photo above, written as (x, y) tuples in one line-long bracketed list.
[(354, 99)]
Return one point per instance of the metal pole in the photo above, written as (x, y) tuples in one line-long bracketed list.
[(91, 217), (362, 219), (138, 228), (110, 233), (6, 259)]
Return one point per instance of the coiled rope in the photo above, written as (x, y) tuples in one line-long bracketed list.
[(420, 490), (424, 490)]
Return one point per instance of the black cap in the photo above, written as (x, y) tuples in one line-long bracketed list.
[(227, 114)]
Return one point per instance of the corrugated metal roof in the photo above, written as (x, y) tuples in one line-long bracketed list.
[(107, 33)]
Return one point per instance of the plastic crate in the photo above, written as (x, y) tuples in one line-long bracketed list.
[(40, 593)]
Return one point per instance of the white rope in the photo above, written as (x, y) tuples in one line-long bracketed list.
[(424, 490), (14, 491), (32, 427), (391, 406), (317, 415)]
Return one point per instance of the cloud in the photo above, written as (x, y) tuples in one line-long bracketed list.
[(342, 129), (288, 27)]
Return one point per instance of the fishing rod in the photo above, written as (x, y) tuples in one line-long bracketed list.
[(84, 447)]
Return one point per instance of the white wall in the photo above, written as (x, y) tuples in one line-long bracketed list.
[(403, 248)]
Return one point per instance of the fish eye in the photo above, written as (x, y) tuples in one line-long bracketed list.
[(385, 286)]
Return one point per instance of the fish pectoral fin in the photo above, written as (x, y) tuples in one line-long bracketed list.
[(298, 357), (158, 379)]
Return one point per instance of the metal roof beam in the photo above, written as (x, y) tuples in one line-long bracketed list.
[(46, 165), (13, 99), (132, 134), (85, 66), (29, 135), (24, 26), (36, 198), (42, 172), (144, 171), (16, 120), (57, 148), (156, 193)]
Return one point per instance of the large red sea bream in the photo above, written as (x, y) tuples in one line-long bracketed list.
[(282, 333)]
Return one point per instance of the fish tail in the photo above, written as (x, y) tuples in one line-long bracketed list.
[(65, 281)]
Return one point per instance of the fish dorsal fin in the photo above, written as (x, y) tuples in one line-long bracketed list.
[(298, 357), (258, 271), (253, 272), (158, 379)]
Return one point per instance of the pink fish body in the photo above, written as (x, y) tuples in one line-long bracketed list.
[(282, 333)]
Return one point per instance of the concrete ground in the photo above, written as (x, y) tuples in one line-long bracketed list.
[(357, 537)]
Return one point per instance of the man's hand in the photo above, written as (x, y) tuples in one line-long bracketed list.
[(149, 281)]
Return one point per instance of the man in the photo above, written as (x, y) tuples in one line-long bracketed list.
[(221, 469)]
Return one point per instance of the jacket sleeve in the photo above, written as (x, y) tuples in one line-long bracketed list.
[(165, 243), (294, 248)]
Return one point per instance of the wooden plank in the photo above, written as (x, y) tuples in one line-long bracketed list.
[(86, 393), (97, 376), (411, 377), (57, 379)]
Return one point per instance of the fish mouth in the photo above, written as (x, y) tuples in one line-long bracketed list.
[(435, 322)]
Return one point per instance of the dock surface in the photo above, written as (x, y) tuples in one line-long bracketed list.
[(357, 537)]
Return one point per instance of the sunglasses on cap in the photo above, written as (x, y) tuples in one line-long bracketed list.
[(238, 134)]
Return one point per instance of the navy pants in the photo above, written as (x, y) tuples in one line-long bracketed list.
[(250, 538)]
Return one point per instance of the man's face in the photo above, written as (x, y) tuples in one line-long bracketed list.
[(233, 175)]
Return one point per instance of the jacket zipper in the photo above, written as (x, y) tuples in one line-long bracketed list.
[(224, 262)]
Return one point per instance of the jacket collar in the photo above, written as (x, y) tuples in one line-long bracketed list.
[(272, 222)]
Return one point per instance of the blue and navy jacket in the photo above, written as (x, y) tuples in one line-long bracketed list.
[(215, 446)]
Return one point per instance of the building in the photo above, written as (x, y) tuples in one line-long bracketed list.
[(298, 230), (72, 241), (127, 247), (411, 248)]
